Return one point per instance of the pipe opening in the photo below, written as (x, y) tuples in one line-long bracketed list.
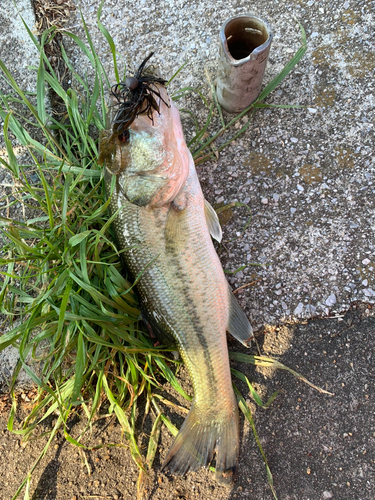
[(243, 35)]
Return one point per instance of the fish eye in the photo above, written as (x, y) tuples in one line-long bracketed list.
[(124, 137)]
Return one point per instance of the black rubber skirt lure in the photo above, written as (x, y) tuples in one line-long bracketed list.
[(136, 95)]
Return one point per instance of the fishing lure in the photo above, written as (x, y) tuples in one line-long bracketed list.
[(135, 96)]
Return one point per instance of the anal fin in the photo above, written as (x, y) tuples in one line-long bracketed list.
[(212, 222), (238, 325)]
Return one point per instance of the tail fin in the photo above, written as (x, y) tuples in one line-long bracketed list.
[(197, 441)]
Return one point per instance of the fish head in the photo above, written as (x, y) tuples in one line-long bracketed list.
[(150, 158)]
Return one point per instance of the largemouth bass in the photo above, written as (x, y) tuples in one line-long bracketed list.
[(165, 225)]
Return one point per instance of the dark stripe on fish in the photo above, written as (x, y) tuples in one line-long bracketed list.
[(198, 327)]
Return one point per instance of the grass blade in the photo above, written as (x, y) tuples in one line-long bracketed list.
[(109, 40), (287, 68), (169, 375), (128, 431), (253, 392), (41, 456), (13, 164), (273, 363), (175, 74), (79, 368), (153, 442), (40, 91), (246, 411)]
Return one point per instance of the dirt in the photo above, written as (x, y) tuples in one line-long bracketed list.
[(318, 446)]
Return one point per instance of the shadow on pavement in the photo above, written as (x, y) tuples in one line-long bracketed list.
[(318, 446)]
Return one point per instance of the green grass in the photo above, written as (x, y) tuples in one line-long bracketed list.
[(70, 311)]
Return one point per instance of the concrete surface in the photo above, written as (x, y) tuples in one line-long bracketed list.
[(306, 174), (18, 53)]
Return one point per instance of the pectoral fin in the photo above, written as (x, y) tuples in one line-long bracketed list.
[(238, 324), (212, 222)]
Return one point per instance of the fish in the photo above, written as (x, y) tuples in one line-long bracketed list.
[(166, 227)]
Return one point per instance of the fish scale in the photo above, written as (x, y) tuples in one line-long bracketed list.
[(182, 287), (187, 306)]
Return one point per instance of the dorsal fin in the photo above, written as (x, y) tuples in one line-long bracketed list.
[(238, 324), (212, 222)]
